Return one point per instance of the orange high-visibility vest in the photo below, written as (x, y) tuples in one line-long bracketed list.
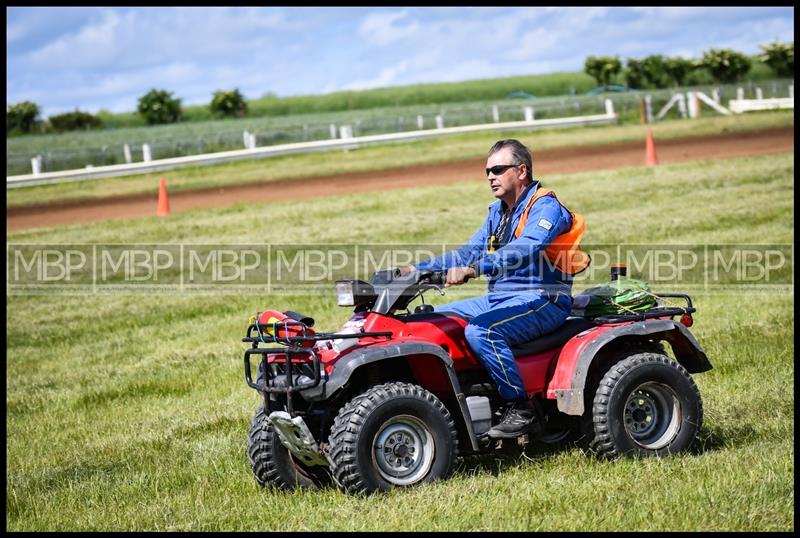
[(564, 252)]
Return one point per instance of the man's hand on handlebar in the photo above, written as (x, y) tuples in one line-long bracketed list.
[(459, 275), (407, 269)]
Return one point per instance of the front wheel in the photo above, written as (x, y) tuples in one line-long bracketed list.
[(393, 435), (272, 463), (646, 405)]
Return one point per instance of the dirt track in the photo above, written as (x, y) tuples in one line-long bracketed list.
[(546, 162)]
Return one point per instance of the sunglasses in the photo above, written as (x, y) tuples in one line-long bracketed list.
[(500, 169)]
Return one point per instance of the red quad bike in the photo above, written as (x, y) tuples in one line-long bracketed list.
[(395, 397)]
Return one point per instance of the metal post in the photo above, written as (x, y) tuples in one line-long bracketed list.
[(333, 131), (528, 113), (716, 95), (495, 114), (36, 165), (346, 131), (126, 149), (739, 93), (759, 93), (648, 108), (692, 102), (146, 153), (420, 121), (609, 107), (439, 122), (682, 105)]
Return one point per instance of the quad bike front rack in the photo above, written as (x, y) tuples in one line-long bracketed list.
[(299, 356)]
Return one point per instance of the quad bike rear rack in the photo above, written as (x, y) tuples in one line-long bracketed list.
[(655, 312), (299, 356)]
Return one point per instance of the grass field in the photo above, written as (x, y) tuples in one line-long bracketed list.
[(434, 150), (129, 412)]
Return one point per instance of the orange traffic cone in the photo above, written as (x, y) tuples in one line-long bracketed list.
[(650, 151), (163, 199)]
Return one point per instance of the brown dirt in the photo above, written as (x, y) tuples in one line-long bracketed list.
[(546, 162)]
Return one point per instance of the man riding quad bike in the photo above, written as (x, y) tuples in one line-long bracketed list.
[(395, 397)]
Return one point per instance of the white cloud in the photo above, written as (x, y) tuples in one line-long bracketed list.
[(123, 89), (108, 57), (85, 48), (388, 76), (152, 36), (17, 31), (379, 28)]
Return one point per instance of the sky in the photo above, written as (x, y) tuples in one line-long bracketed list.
[(107, 57)]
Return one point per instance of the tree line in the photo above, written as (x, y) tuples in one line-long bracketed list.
[(156, 107), (159, 106), (723, 66)]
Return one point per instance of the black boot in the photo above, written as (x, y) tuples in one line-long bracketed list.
[(517, 421)]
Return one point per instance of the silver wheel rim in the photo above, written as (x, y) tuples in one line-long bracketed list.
[(403, 450), (652, 415)]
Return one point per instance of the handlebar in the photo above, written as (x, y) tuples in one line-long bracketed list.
[(435, 278), (394, 290)]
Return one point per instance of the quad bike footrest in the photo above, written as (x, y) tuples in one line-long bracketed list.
[(296, 437)]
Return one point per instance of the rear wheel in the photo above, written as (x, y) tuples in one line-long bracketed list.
[(393, 435), (559, 432), (646, 405), (272, 463)]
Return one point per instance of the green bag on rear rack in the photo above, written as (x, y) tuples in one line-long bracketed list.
[(621, 296)]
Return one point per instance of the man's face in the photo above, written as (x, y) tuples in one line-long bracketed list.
[(508, 183)]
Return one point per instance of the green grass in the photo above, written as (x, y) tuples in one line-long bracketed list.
[(130, 412), (370, 158)]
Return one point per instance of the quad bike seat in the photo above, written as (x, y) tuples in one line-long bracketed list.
[(557, 338)]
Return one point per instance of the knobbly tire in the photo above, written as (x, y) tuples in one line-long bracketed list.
[(645, 405), (272, 464), (559, 430), (392, 435)]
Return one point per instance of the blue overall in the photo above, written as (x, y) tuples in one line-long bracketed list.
[(527, 297)]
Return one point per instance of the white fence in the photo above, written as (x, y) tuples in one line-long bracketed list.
[(747, 105), (691, 100), (254, 152)]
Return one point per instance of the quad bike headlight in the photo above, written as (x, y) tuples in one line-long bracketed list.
[(345, 295), (354, 292)]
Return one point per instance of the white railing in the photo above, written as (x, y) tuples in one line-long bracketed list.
[(303, 147), (746, 105), (691, 100)]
